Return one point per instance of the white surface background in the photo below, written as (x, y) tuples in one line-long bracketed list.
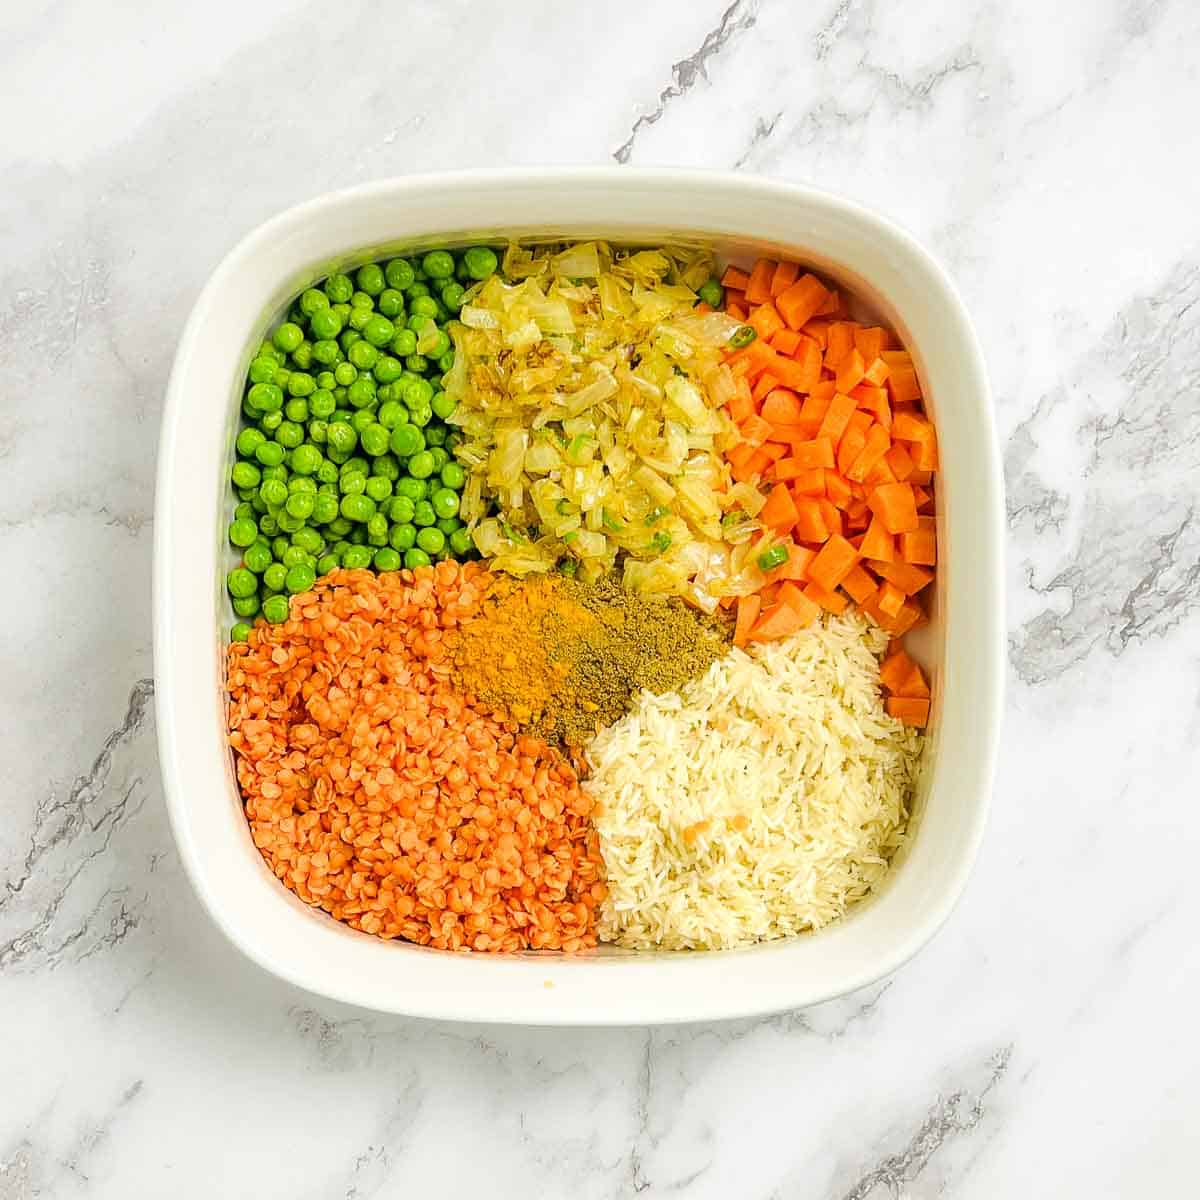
[(1046, 1043)]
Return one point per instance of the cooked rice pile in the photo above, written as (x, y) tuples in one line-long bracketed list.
[(762, 800)]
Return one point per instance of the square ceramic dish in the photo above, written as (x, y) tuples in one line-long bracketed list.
[(963, 646)]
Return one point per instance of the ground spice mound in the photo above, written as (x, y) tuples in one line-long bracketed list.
[(375, 791), (563, 658)]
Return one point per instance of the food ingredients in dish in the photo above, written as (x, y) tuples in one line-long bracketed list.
[(375, 792), (563, 657), (762, 800), (589, 387), (344, 458)]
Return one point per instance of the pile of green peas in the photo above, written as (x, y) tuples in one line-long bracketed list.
[(344, 458)]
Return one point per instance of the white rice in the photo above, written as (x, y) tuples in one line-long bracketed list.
[(789, 741)]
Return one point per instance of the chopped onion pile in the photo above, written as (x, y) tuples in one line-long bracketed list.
[(591, 396)]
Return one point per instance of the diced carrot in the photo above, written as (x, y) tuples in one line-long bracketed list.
[(837, 417), (869, 341), (785, 341), (809, 481), (875, 401), (753, 359), (815, 453), (895, 505), (899, 460), (896, 358), (794, 598), (816, 406), (837, 489), (739, 455), (909, 617), (779, 512), (891, 599), (903, 383), (785, 275), (734, 278), (850, 371), (920, 546), (859, 583), (876, 373), (858, 515), (879, 473), (810, 522), (774, 450), (758, 287), (780, 619), (878, 543), (781, 407), (909, 578), (895, 669), (742, 405), (831, 515), (861, 420), (819, 332), (768, 593), (851, 445), (755, 430), (808, 362), (912, 427), (796, 566), (832, 307), (798, 304), (763, 386), (840, 343), (799, 432), (911, 712), (923, 498), (756, 464), (833, 602), (920, 478), (874, 448), (747, 613), (736, 309), (833, 563), (765, 321), (913, 685)]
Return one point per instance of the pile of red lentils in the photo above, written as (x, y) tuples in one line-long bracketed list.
[(376, 792)]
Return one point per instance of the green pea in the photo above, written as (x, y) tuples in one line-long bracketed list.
[(407, 440), (289, 435), (361, 419), (435, 435), (460, 542), (261, 370), (386, 467), (287, 337), (270, 454), (326, 325), (399, 274), (325, 508), (401, 509), (265, 397), (361, 392), (339, 527), (446, 361), (454, 476), (378, 330), (358, 507), (245, 510), (357, 557), (442, 405), (243, 532), (246, 606), (327, 352), (274, 492), (363, 355), (267, 525), (420, 466), (438, 264), (390, 302), (245, 475), (345, 373), (357, 536), (341, 437), (480, 262), (300, 505), (282, 375), (257, 557), (386, 559), (275, 609), (300, 578), (375, 439), (387, 369), (413, 489), (377, 530), (301, 384), (339, 288), (378, 488), (353, 484), (417, 362), (415, 558), (302, 356), (403, 536), (296, 410), (273, 577), (452, 296), (422, 306), (404, 343), (440, 457), (322, 404), (302, 483), (327, 562), (423, 513), (312, 301), (306, 458), (445, 502), (241, 582), (249, 440), (370, 279), (308, 540), (240, 632), (432, 540)]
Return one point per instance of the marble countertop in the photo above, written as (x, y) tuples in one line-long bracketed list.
[(1046, 1043)]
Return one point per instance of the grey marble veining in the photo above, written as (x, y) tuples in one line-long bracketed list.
[(1045, 1043)]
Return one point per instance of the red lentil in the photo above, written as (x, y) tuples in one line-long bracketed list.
[(374, 791)]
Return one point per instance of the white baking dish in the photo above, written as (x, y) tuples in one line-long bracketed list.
[(963, 645)]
